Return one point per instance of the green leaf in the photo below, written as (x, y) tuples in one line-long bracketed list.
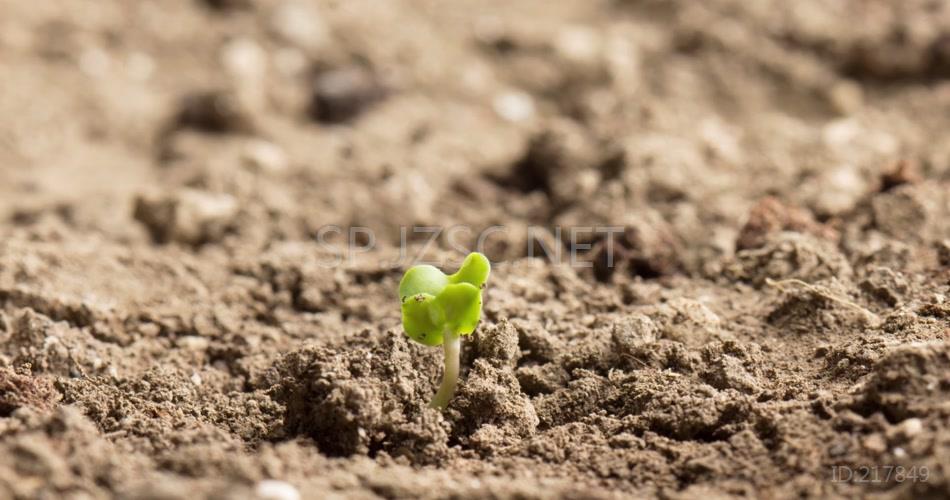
[(474, 270), (433, 302), (422, 319), (422, 279), (462, 306)]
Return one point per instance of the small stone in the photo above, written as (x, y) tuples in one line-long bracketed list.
[(216, 111), (193, 343), (264, 156), (243, 58), (579, 44), (514, 106), (300, 24), (836, 190), (340, 95), (272, 489), (225, 5), (910, 427), (196, 379)]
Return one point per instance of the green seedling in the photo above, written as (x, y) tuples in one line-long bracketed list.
[(439, 309)]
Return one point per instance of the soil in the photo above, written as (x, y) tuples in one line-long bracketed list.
[(176, 321)]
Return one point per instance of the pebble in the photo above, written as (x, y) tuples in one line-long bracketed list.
[(514, 106), (911, 427), (300, 25), (243, 58), (341, 94), (265, 156), (225, 5), (838, 190), (272, 489), (193, 343), (215, 111), (578, 43)]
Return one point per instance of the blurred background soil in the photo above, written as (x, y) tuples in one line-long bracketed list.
[(779, 304)]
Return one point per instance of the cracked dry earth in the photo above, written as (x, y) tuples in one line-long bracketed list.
[(778, 309)]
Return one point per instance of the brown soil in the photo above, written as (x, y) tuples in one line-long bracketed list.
[(779, 306)]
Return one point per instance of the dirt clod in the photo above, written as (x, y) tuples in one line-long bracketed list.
[(188, 216), (21, 389)]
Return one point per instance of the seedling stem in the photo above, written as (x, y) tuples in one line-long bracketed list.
[(451, 345)]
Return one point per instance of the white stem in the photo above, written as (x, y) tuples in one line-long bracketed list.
[(451, 344)]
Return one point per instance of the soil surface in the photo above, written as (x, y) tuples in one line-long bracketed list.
[(769, 315)]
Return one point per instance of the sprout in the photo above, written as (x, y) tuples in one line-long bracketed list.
[(438, 309)]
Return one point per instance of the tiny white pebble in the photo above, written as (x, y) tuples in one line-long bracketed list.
[(272, 489), (300, 24), (911, 427), (578, 43), (50, 340), (195, 378), (244, 58), (840, 132), (899, 452), (193, 343), (265, 156), (514, 106)]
